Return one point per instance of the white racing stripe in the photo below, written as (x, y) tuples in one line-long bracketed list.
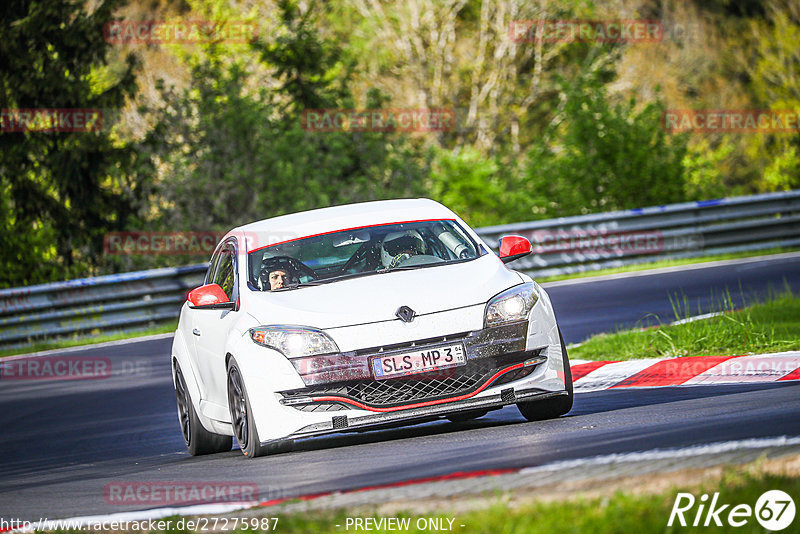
[(667, 454)]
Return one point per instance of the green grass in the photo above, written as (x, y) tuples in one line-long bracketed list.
[(667, 263), (91, 339), (620, 512), (770, 326)]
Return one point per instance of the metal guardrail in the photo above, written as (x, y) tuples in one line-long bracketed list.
[(130, 301), (615, 239)]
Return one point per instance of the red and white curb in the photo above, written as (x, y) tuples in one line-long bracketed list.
[(685, 371)]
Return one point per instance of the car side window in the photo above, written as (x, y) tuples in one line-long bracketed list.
[(211, 265), (225, 271)]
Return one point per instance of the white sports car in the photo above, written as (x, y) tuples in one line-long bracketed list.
[(352, 317)]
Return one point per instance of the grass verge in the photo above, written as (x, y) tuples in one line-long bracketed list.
[(770, 326), (668, 263), (91, 340), (620, 512), (645, 509)]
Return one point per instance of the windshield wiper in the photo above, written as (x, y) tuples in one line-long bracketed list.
[(406, 268)]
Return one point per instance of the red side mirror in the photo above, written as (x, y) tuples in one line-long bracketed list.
[(513, 247), (209, 296)]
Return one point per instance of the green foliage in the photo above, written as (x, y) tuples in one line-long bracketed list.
[(236, 154), (704, 166), (60, 191), (470, 184), (772, 45), (602, 155), (539, 134)]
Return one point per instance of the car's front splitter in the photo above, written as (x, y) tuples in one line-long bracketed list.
[(344, 423)]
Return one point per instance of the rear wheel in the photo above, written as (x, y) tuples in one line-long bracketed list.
[(242, 418), (198, 440), (463, 417), (554, 406)]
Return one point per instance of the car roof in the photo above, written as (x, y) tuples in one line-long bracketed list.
[(319, 221)]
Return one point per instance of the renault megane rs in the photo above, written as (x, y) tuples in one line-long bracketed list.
[(352, 317)]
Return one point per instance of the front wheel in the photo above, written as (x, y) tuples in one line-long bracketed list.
[(554, 406), (198, 440), (242, 418)]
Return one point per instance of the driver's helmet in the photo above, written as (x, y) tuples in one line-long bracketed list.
[(269, 265), (397, 246)]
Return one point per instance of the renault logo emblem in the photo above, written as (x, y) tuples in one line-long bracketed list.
[(405, 314)]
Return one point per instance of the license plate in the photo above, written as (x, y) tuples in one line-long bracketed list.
[(418, 361)]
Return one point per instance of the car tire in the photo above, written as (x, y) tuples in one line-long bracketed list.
[(554, 406), (463, 417), (198, 440), (244, 428)]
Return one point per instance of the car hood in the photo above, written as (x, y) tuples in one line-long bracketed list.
[(375, 298)]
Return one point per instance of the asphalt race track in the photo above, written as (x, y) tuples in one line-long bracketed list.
[(63, 441)]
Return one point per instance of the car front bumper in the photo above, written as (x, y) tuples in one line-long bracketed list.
[(302, 398), (344, 423)]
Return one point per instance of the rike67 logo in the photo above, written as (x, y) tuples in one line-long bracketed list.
[(774, 510)]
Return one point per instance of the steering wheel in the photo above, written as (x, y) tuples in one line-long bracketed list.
[(299, 268), (402, 257)]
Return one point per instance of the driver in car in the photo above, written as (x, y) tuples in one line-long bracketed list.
[(276, 274), (399, 246)]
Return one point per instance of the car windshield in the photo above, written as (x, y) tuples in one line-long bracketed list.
[(357, 252)]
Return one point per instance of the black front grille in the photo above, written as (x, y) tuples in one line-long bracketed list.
[(430, 386)]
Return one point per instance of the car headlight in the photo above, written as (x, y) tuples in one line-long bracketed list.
[(294, 341), (511, 305)]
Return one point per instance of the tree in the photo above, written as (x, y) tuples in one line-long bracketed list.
[(235, 153), (601, 155), (61, 191)]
